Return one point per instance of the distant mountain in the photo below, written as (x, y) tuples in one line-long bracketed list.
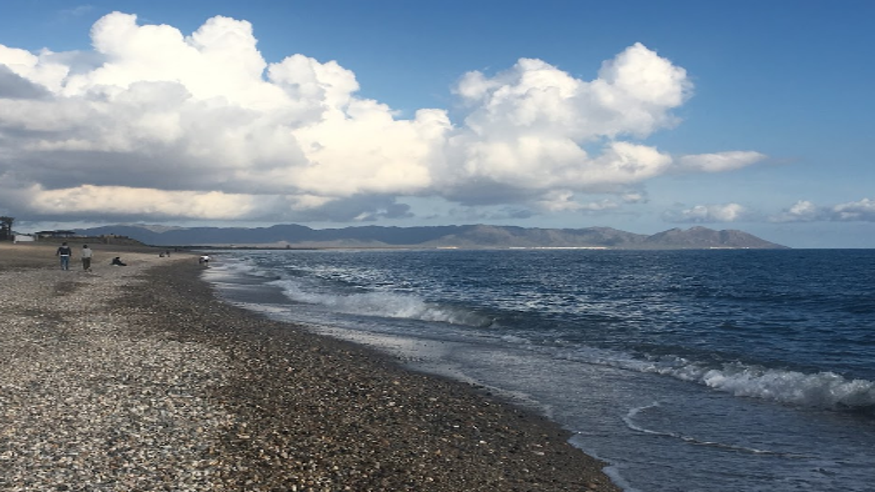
[(702, 237), (465, 236)]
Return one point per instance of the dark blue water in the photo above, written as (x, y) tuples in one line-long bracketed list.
[(686, 370)]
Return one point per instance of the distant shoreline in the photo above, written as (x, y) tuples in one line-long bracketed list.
[(477, 236)]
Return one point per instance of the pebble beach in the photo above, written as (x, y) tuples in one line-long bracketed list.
[(138, 378)]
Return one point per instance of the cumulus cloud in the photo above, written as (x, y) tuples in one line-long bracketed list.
[(156, 123), (801, 211), (863, 210), (563, 201), (633, 95), (719, 162), (14, 86), (125, 201), (806, 211), (730, 212)]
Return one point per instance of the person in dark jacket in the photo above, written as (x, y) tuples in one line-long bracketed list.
[(64, 253)]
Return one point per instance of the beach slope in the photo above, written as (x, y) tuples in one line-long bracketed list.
[(139, 378)]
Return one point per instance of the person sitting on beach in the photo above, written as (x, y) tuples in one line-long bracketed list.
[(118, 262)]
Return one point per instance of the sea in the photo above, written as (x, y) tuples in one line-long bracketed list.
[(694, 370)]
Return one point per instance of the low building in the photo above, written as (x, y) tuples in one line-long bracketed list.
[(55, 234)]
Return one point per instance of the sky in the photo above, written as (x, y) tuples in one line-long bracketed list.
[(638, 115)]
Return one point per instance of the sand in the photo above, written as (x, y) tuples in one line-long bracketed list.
[(139, 378)]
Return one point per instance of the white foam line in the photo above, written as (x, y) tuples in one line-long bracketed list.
[(628, 419)]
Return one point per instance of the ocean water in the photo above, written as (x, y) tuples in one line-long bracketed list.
[(720, 370)]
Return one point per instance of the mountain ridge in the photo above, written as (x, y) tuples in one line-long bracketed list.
[(476, 236)]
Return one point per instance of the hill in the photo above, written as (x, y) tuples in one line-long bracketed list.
[(465, 236)]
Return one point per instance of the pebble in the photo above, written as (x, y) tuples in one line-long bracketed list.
[(139, 379)]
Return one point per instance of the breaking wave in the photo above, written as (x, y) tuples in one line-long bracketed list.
[(384, 304), (825, 390), (822, 389)]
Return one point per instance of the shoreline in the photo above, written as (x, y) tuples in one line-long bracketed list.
[(255, 404)]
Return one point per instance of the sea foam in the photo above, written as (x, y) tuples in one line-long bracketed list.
[(826, 390), (384, 304), (821, 389)]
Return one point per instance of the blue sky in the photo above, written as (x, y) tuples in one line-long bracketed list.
[(641, 116)]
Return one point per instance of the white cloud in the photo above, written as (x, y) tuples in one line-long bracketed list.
[(89, 199), (801, 211), (730, 212), (219, 60), (720, 162), (806, 211), (155, 123), (633, 94), (634, 197), (40, 70), (863, 210), (564, 201)]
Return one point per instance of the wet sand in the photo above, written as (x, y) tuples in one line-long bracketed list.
[(139, 378)]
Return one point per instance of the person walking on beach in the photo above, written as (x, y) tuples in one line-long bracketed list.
[(64, 252), (86, 257)]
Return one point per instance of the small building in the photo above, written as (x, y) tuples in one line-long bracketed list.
[(55, 234), (23, 238)]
